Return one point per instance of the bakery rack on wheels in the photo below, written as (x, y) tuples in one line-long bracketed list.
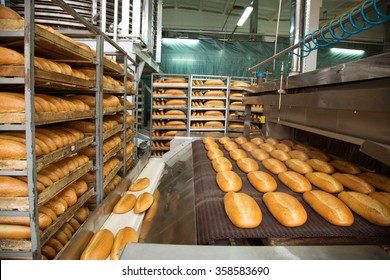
[(31, 39)]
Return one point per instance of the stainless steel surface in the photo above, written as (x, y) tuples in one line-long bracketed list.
[(297, 34), (138, 251), (336, 24), (74, 248), (376, 150), (174, 222)]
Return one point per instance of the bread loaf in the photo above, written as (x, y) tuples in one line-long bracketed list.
[(273, 165), (12, 149), (229, 181), (324, 182), (176, 102), (82, 214), (175, 123), (44, 220), (55, 244), (249, 146), (10, 57), (237, 154), (11, 186), (345, 166), (257, 140), (214, 153), (259, 154), (14, 232), (140, 184), (174, 113), (218, 93), (224, 140), (321, 166), (208, 139), (262, 181), (239, 84), (286, 209), (301, 147), (221, 164), (288, 142), (175, 80), (125, 204), (124, 236), (80, 187), (61, 237), (99, 247), (214, 103), (144, 201), (382, 197), (318, 155), (353, 183), (299, 166), (267, 147), (214, 124), (367, 207), (49, 212), (176, 92), (329, 207), (240, 140), (211, 146), (74, 223), (214, 83), (8, 13), (230, 145), (272, 141), (295, 181), (280, 155), (213, 113), (380, 181), (298, 155), (242, 210), (247, 165)]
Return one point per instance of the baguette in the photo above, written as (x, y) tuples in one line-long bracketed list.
[(47, 211), (224, 140), (318, 155), (240, 140), (125, 204), (321, 166), (273, 165), (174, 113), (299, 166), (296, 154), (211, 146), (380, 181), (12, 149), (11, 186), (286, 209), (247, 165), (354, 183), (237, 154), (214, 153), (283, 147), (367, 207), (295, 181), (124, 236), (242, 210), (229, 181), (221, 164), (262, 181), (345, 166), (382, 197), (280, 155), (175, 123), (329, 207), (259, 154), (14, 232), (140, 184), (99, 247), (10, 57), (44, 220), (257, 140), (267, 147), (230, 145), (214, 83), (175, 80), (249, 146), (176, 102), (324, 182), (144, 201), (176, 92)]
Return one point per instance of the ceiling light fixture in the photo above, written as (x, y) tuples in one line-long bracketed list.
[(245, 16), (347, 51)]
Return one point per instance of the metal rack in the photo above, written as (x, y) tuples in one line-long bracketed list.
[(32, 248)]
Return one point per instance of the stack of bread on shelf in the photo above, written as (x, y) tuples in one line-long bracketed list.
[(335, 188)]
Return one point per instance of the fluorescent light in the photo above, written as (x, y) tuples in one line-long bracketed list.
[(347, 51), (245, 16), (182, 41), (183, 59)]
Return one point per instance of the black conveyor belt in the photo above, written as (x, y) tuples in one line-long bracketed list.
[(213, 223)]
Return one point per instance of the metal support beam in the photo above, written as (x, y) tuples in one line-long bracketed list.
[(159, 31), (297, 34), (136, 26), (254, 18)]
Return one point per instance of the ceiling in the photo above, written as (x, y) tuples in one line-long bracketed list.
[(218, 18)]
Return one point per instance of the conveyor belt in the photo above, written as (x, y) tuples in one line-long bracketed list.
[(213, 223)]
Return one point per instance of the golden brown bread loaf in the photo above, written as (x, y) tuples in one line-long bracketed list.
[(325, 182), (218, 93), (382, 197), (321, 166), (44, 220), (262, 181), (48, 252), (10, 57), (213, 113), (177, 92), (229, 181), (11, 186), (214, 153), (295, 181), (240, 140), (49, 212), (221, 164), (285, 208), (249, 146), (61, 237), (353, 183), (140, 184), (82, 214), (69, 195), (175, 80), (224, 140), (176, 102), (267, 147), (237, 154), (14, 232), (211, 146), (55, 244), (174, 113), (367, 207), (345, 166), (274, 165), (242, 210), (230, 145), (280, 155), (380, 181), (283, 147), (257, 140), (175, 123), (74, 223), (259, 154), (80, 187), (318, 155), (299, 166), (125, 204), (8, 13), (214, 103), (272, 141), (123, 236), (214, 83), (214, 124), (239, 84), (144, 201), (329, 207), (247, 165), (298, 155), (99, 247), (208, 139)]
